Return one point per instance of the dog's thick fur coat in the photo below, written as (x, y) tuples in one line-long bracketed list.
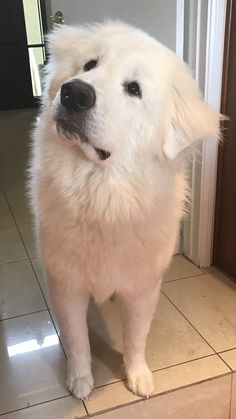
[(109, 226)]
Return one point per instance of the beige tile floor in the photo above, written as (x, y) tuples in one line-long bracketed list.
[(191, 347)]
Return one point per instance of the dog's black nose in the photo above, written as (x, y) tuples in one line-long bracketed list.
[(77, 95)]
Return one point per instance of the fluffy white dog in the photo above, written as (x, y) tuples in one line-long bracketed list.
[(108, 182)]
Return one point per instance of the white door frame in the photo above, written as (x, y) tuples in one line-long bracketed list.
[(180, 28), (199, 228), (213, 85)]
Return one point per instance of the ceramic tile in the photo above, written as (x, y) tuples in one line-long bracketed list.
[(208, 301), (233, 398), (109, 397), (64, 408), (208, 270), (189, 373), (14, 189), (169, 330), (230, 358), (13, 157), (165, 380), (20, 209), (15, 127), (11, 246), (54, 319), (13, 161), (180, 268), (195, 402), (15, 134), (13, 178), (6, 218), (32, 362), (106, 342), (19, 290), (27, 233), (13, 164)]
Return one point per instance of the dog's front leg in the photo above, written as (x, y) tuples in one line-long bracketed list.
[(137, 312), (70, 308)]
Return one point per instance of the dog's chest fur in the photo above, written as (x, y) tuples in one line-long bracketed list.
[(108, 233), (103, 258)]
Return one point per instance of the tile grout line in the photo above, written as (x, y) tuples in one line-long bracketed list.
[(184, 277), (225, 362), (25, 224), (230, 400), (38, 404), (24, 314), (215, 352), (227, 350), (184, 363), (85, 407), (6, 227), (14, 261)]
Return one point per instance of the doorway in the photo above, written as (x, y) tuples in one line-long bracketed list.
[(36, 27), (15, 81), (22, 49), (225, 231)]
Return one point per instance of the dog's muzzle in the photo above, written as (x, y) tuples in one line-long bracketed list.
[(76, 98)]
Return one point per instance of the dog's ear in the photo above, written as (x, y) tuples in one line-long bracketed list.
[(60, 38), (191, 119)]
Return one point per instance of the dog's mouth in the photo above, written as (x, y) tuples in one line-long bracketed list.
[(103, 154), (70, 132)]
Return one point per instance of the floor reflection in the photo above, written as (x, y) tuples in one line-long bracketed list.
[(32, 345)]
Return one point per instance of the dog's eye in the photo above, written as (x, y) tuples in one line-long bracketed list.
[(90, 65), (133, 89)]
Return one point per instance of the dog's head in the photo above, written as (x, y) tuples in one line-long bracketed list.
[(119, 94)]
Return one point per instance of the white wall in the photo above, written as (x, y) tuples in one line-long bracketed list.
[(157, 17)]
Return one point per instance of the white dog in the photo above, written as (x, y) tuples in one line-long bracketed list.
[(108, 182)]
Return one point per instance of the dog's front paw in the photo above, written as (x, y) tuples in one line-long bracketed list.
[(80, 387), (140, 381)]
